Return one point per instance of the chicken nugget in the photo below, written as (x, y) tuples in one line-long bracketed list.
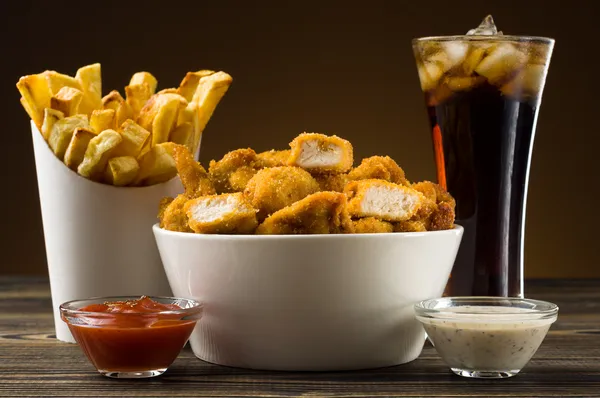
[(331, 182), (319, 213), (372, 225), (194, 177), (384, 200), (274, 188), (434, 192), (380, 168), (410, 226), (273, 158), (172, 216), (241, 164), (442, 218), (319, 153), (221, 214)]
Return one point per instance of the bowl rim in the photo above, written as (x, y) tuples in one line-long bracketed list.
[(71, 308), (436, 309), (457, 230)]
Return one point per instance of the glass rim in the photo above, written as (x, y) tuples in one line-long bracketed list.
[(539, 310), (491, 38), (70, 308)]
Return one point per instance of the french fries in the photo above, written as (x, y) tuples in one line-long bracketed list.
[(97, 154), (77, 147), (62, 132), (67, 100), (121, 171), (102, 119), (115, 140)]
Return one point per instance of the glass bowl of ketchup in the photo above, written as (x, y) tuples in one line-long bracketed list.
[(131, 336)]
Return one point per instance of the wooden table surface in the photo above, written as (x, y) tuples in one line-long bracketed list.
[(34, 363)]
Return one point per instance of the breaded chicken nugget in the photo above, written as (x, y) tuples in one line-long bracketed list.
[(221, 214), (372, 225), (319, 213), (273, 158), (274, 188), (233, 171), (410, 226), (380, 168), (434, 192), (443, 218), (384, 200), (331, 182), (173, 217), (193, 176), (319, 153)]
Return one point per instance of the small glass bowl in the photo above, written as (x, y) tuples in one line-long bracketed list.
[(131, 344), (486, 337)]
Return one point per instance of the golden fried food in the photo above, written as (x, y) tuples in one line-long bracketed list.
[(372, 225), (274, 188), (410, 226), (221, 214), (194, 177), (273, 158), (331, 182), (434, 192), (443, 217), (319, 213), (382, 199), (221, 171), (379, 167), (172, 214), (59, 103), (319, 153)]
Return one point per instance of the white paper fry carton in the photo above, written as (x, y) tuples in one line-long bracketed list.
[(98, 237)]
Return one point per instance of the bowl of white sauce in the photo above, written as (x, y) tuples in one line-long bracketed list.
[(486, 337)]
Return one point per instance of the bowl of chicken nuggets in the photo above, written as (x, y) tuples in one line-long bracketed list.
[(304, 259)]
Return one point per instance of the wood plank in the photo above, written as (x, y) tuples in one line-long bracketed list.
[(33, 363)]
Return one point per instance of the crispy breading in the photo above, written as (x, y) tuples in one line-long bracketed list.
[(443, 218), (331, 182), (221, 171), (193, 176), (173, 217), (274, 188), (273, 158), (384, 200), (319, 213), (319, 153), (379, 167), (221, 214), (410, 226), (372, 225)]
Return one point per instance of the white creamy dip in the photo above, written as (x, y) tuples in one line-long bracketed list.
[(486, 338)]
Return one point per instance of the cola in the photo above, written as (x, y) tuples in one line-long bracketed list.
[(483, 94)]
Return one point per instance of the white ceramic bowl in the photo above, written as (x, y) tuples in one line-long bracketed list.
[(308, 302)]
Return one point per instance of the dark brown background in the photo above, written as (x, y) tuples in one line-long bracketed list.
[(334, 67)]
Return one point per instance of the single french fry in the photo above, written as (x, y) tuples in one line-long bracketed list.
[(51, 116), (56, 81), (90, 80), (134, 139), (77, 147), (114, 100), (137, 96), (67, 100), (62, 132), (102, 119), (164, 121), (157, 165), (36, 94), (209, 93), (97, 154), (183, 135), (188, 85), (121, 171), (140, 78)]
